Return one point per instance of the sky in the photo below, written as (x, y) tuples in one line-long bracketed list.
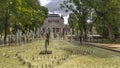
[(54, 7)]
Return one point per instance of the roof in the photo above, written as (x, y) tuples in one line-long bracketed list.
[(53, 15)]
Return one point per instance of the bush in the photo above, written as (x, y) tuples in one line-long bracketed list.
[(105, 41)]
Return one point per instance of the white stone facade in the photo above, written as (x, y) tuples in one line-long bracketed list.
[(54, 23)]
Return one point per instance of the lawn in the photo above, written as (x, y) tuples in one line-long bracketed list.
[(64, 55)]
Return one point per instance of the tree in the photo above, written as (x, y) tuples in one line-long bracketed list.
[(106, 12), (5, 10), (81, 13), (75, 22), (21, 14)]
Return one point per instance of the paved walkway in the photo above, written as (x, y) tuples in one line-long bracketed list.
[(115, 47)]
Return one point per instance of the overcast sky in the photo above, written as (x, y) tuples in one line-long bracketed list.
[(54, 7)]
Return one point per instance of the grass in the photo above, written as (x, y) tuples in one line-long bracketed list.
[(107, 41), (64, 55)]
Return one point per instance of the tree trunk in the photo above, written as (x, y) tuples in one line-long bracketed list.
[(5, 28), (111, 34)]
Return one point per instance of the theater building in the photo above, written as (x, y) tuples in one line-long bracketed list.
[(55, 24)]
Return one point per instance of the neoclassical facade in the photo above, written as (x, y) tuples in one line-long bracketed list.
[(55, 24)]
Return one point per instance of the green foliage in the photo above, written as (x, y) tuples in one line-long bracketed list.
[(1, 27), (108, 12), (105, 14), (75, 22), (22, 14)]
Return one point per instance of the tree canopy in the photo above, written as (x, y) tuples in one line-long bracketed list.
[(21, 14), (104, 15)]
